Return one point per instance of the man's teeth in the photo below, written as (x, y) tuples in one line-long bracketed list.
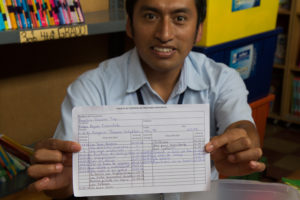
[(164, 50)]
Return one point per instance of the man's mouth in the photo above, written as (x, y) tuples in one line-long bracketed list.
[(163, 52), (163, 49)]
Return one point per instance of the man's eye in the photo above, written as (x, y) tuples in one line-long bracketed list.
[(180, 19), (150, 16)]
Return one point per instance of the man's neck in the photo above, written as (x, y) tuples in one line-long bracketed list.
[(163, 82)]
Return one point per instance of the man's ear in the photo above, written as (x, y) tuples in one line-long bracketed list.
[(129, 28), (199, 33)]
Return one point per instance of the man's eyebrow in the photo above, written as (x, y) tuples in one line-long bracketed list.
[(149, 8), (156, 10)]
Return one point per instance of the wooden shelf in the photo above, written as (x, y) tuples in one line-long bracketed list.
[(283, 11), (99, 22), (293, 119), (277, 66), (295, 69)]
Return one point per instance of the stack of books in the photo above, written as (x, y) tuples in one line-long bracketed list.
[(14, 158), (26, 14), (296, 97)]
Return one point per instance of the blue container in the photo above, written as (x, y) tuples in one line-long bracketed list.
[(252, 56)]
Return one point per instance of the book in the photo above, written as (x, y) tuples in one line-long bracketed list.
[(21, 12), (6, 139), (3, 175), (19, 166), (18, 17), (5, 16), (33, 18), (79, 10), (6, 13), (54, 11), (65, 11), (60, 12), (47, 8), (7, 162), (26, 13), (12, 15), (15, 150), (2, 25), (2, 164)]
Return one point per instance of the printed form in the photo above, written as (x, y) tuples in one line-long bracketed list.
[(141, 149)]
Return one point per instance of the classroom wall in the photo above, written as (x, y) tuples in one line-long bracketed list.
[(34, 78)]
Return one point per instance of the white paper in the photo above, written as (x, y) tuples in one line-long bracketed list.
[(141, 149)]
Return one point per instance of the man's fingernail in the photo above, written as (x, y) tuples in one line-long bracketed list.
[(73, 147), (58, 167), (210, 148), (253, 164)]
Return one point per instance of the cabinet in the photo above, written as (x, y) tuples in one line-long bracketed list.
[(284, 73)]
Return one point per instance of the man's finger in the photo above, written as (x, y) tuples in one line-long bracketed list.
[(39, 185), (39, 171), (228, 137), (257, 166), (240, 144), (64, 146), (245, 156), (47, 156)]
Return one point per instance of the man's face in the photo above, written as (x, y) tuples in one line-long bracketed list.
[(164, 32)]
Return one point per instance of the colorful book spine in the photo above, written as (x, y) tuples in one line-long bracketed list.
[(15, 151), (18, 17), (6, 13), (79, 10), (7, 162), (21, 12), (26, 13), (2, 164), (2, 25), (33, 18), (41, 13), (65, 11), (54, 10), (48, 10), (60, 12), (72, 11), (3, 175), (12, 15)]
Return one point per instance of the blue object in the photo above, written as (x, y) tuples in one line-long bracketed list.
[(252, 56)]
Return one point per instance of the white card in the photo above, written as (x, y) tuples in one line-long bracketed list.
[(141, 149)]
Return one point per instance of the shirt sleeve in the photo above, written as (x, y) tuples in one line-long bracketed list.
[(82, 92), (231, 104)]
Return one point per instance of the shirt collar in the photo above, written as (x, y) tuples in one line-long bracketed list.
[(189, 77), (135, 73), (192, 78)]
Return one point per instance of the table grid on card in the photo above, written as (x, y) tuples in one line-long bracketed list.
[(124, 150)]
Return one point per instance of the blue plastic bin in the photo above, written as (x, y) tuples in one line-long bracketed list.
[(252, 56)]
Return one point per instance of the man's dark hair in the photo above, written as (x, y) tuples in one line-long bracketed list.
[(200, 5)]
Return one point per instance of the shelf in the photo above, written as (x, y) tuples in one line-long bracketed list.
[(99, 22), (293, 119), (283, 11), (295, 69), (277, 66)]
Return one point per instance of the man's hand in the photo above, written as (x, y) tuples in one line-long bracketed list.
[(52, 167), (237, 151)]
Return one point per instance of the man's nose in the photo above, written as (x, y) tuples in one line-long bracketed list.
[(164, 32)]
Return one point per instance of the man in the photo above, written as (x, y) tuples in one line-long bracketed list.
[(160, 70)]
